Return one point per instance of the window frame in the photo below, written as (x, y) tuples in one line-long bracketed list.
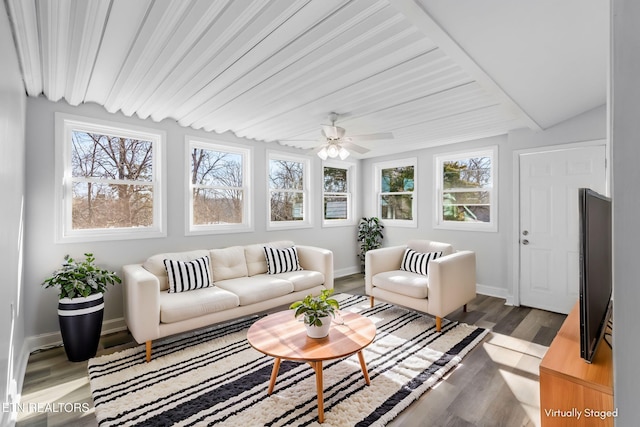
[(351, 169), (65, 124), (246, 152), (377, 178), (307, 220), (439, 160)]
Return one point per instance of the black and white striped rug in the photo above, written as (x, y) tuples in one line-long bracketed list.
[(214, 377)]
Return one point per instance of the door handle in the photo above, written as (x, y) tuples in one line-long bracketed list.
[(525, 242)]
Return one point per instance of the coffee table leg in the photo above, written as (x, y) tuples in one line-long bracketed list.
[(363, 365), (317, 366), (274, 375)]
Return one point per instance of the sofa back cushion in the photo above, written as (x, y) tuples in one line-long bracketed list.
[(228, 263), (155, 264), (425, 246), (254, 254)]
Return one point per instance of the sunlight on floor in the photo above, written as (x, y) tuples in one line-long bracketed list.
[(519, 363), (56, 398), (526, 391)]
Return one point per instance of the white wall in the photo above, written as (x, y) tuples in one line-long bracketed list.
[(12, 164), (42, 255), (494, 251), (625, 142), (489, 247)]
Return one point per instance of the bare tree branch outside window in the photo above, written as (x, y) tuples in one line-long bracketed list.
[(286, 183), (112, 181), (217, 181)]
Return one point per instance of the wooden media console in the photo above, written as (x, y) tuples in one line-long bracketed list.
[(572, 391)]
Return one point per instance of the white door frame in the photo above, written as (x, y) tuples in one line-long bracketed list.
[(513, 297)]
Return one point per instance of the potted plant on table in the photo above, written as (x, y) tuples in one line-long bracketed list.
[(81, 285), (317, 312)]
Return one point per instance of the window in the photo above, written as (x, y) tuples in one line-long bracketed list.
[(337, 184), (288, 191), (396, 190), (218, 188), (466, 196), (111, 181)]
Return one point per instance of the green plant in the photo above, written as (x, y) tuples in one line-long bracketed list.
[(80, 278), (369, 235), (314, 308)]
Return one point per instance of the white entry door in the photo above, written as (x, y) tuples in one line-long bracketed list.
[(549, 239)]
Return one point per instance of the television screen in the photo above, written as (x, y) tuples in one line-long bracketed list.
[(595, 269)]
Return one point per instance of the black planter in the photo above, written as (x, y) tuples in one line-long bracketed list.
[(80, 325)]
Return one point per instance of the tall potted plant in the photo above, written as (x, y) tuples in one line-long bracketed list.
[(369, 236), (81, 286)]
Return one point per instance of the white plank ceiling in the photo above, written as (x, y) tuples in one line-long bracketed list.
[(431, 72)]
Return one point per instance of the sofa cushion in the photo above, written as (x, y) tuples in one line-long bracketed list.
[(188, 305), (257, 289), (254, 254), (281, 260), (228, 263), (417, 262), (188, 275), (303, 279), (155, 264), (402, 282)]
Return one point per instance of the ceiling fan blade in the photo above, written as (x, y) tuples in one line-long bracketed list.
[(371, 136), (332, 132), (354, 147)]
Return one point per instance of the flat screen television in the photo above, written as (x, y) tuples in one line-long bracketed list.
[(595, 269)]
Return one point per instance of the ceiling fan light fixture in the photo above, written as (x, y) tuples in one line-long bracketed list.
[(333, 150), (323, 153), (343, 153)]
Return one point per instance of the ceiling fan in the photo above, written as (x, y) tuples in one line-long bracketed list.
[(336, 144)]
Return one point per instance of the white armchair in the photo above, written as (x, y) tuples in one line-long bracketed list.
[(450, 282)]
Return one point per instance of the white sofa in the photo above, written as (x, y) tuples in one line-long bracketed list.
[(450, 282), (241, 287)]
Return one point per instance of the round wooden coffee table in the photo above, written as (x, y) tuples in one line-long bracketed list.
[(283, 336)]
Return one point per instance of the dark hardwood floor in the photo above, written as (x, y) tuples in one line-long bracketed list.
[(495, 385)]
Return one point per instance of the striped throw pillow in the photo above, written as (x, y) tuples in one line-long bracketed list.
[(416, 262), (188, 275), (281, 260)]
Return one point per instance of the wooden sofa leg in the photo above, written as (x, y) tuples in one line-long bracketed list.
[(148, 348), (372, 301), (438, 324), (464, 308)]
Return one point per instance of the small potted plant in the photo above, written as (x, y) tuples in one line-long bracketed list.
[(317, 312), (81, 285)]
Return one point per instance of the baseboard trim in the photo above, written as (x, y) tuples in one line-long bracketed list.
[(492, 291), (342, 272), (54, 339)]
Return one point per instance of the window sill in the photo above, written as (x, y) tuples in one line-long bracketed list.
[(467, 226)]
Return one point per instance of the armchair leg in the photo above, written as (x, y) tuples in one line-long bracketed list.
[(372, 301), (148, 348), (464, 308), (438, 323)]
